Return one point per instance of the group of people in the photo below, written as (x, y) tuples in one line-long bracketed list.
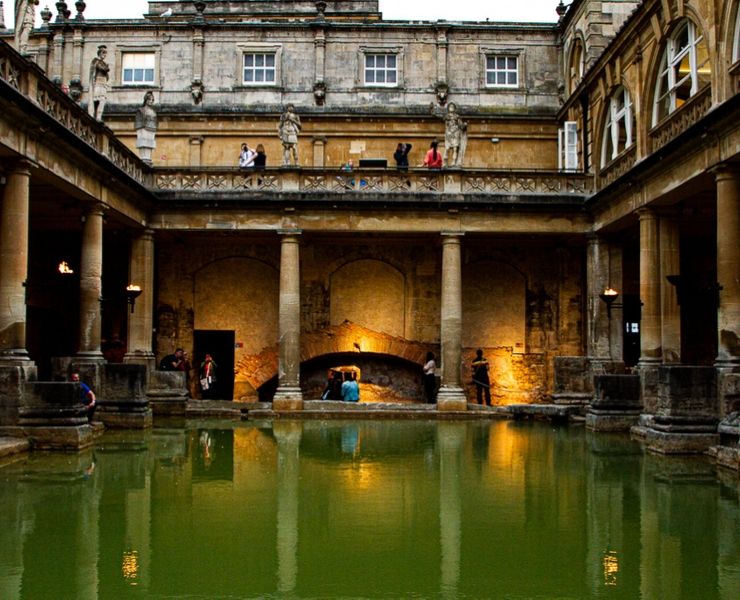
[(480, 378), (252, 159), (180, 361), (341, 386)]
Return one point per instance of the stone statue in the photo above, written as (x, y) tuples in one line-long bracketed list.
[(24, 19), (98, 84), (290, 125), (146, 128), (456, 134)]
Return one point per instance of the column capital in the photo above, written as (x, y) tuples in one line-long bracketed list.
[(449, 237), (724, 171), (20, 167), (95, 208), (644, 213), (289, 233)]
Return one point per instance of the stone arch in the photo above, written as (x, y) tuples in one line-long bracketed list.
[(370, 293), (494, 305), (576, 64)]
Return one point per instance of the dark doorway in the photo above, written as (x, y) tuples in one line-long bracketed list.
[(220, 345), (631, 328)]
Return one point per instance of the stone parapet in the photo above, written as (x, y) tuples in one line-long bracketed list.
[(574, 378), (13, 379)]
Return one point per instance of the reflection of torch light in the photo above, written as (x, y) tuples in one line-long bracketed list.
[(130, 567), (610, 562), (64, 268)]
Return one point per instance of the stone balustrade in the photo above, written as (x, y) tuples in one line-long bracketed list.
[(29, 80), (372, 181)]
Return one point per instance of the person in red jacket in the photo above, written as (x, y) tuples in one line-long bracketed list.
[(433, 159)]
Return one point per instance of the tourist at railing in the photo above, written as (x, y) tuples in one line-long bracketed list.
[(246, 157), (401, 156), (260, 158), (433, 159), (350, 388)]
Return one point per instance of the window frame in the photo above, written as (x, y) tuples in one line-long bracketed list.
[(255, 68), (132, 69), (487, 52), (122, 51), (245, 49), (568, 155), (365, 51), (671, 59), (620, 116)]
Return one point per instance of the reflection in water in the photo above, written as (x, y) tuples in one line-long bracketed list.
[(367, 509)]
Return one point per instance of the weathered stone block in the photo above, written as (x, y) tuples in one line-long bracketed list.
[(167, 393), (122, 402), (616, 404), (13, 379), (686, 391), (52, 404)]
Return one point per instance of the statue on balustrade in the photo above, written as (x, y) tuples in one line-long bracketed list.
[(98, 90), (146, 128), (288, 129), (456, 134), (24, 18)]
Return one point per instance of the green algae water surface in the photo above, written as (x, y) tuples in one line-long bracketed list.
[(367, 509)]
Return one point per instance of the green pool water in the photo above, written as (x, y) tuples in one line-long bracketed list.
[(367, 509)]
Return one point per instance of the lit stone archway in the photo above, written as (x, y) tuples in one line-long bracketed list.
[(370, 293)]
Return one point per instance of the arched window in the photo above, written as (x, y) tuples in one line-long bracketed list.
[(619, 126), (575, 72), (684, 70)]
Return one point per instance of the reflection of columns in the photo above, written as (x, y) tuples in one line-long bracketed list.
[(603, 270), (86, 546), (141, 273), (14, 263), (450, 437), (728, 267), (670, 324), (288, 436), (451, 395), (288, 395), (650, 350), (91, 274)]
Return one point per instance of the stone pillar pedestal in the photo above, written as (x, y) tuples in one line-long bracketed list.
[(91, 283), (574, 378), (13, 381), (616, 403), (288, 396), (451, 396), (167, 393), (686, 418), (53, 417), (122, 402)]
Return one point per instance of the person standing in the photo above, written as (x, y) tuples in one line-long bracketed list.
[(207, 376), (433, 159), (401, 156), (171, 362), (246, 157), (480, 378), (350, 388), (430, 379), (86, 395), (260, 158)]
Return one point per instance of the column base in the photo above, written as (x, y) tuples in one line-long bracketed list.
[(60, 438), (288, 399), (15, 357), (611, 420), (451, 399)]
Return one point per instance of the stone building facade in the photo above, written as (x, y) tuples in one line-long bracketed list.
[(600, 152)]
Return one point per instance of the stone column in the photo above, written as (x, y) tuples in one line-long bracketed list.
[(451, 395), (196, 150), (288, 395), (320, 53), (140, 320), (14, 263), (650, 335), (599, 320), (319, 151), (728, 267), (442, 54), (670, 332), (650, 328), (91, 274)]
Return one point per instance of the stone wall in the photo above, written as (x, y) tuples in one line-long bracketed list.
[(379, 297)]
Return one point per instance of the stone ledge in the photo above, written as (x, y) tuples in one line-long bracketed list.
[(10, 446)]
